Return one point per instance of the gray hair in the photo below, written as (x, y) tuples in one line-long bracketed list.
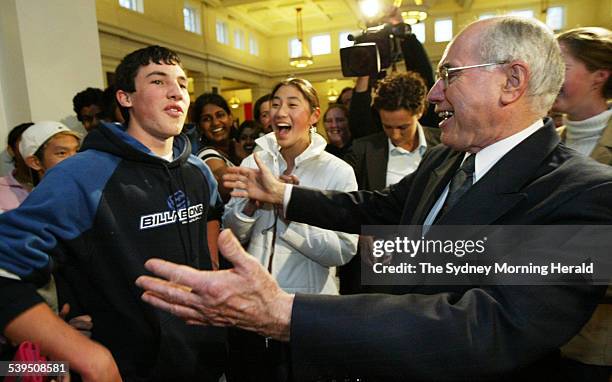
[(512, 38)]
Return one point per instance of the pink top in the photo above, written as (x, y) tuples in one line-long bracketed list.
[(12, 193)]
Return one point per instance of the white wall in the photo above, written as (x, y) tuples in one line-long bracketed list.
[(49, 51)]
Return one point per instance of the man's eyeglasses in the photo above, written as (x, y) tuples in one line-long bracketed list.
[(444, 72)]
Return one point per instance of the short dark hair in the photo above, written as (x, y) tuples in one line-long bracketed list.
[(346, 89), (260, 100), (15, 134), (405, 90), (109, 104), (205, 99), (126, 71), (87, 97), (248, 124)]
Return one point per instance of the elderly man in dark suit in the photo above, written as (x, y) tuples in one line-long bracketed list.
[(496, 81)]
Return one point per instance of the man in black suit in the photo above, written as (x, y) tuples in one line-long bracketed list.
[(400, 100), (496, 81), (384, 158)]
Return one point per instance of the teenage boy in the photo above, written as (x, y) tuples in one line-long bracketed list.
[(134, 192), (45, 144)]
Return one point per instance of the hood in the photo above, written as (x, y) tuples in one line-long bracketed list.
[(113, 139), (268, 144)]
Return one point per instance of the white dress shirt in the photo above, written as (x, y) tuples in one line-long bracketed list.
[(485, 160), (402, 162)]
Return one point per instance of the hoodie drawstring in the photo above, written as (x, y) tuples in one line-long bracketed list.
[(173, 190)]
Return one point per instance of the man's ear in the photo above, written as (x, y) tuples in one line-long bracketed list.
[(34, 163), (124, 98), (517, 80)]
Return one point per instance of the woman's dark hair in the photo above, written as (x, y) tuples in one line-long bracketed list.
[(304, 87), (248, 125), (258, 103), (205, 99), (15, 134)]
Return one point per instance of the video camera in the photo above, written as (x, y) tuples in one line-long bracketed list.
[(374, 50)]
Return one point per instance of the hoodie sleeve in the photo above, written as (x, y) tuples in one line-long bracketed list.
[(61, 207), (328, 248)]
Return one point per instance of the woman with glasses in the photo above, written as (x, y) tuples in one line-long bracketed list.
[(212, 115)]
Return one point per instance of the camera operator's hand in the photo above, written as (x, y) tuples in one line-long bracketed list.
[(393, 15), (362, 84)]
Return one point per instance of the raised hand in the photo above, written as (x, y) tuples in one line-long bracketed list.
[(259, 185), (245, 296)]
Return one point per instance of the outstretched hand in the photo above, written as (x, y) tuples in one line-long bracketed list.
[(245, 296), (259, 184)]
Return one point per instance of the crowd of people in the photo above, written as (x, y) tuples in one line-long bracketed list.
[(256, 226)]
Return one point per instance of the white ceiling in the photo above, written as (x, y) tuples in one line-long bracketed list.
[(278, 17)]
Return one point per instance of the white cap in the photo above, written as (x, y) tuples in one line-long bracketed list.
[(36, 135)]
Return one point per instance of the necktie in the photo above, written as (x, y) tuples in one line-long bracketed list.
[(460, 183)]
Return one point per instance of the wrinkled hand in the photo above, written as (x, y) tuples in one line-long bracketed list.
[(83, 323), (259, 185), (245, 296)]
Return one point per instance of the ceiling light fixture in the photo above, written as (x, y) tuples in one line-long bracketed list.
[(332, 93), (234, 102), (305, 58), (414, 17)]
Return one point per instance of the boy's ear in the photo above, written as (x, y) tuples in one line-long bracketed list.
[(124, 98), (34, 163)]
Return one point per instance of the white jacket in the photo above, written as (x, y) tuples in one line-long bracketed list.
[(303, 254)]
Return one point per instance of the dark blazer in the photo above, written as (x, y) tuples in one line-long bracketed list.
[(369, 155), (462, 332)]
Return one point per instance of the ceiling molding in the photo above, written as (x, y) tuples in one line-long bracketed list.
[(465, 4)]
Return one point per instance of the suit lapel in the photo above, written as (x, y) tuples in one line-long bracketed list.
[(378, 154), (500, 189), (439, 178)]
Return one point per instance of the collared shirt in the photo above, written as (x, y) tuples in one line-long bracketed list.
[(402, 162), (485, 160), (12, 193)]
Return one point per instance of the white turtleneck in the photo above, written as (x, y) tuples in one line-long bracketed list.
[(582, 136)]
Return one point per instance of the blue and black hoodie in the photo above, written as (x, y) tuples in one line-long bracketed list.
[(93, 221)]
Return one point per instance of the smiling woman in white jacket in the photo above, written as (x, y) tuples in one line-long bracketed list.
[(299, 256)]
